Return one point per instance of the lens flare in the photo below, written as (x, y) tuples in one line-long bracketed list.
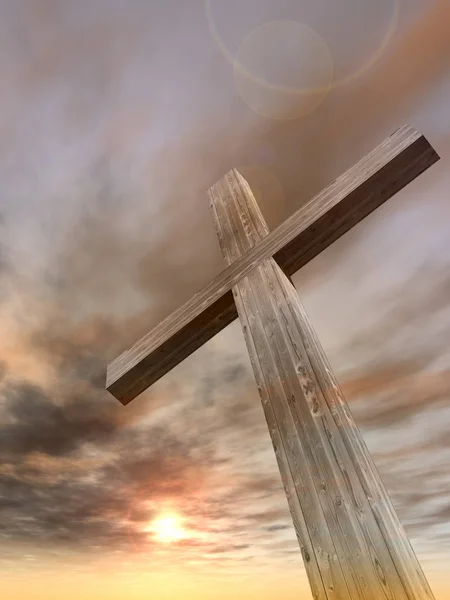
[(290, 54), (386, 38)]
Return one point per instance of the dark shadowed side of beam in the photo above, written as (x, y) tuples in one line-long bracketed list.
[(183, 343), (342, 205), (369, 196)]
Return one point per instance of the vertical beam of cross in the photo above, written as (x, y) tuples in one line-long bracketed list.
[(352, 543)]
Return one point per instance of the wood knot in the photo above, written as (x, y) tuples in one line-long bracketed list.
[(338, 501), (302, 370), (308, 388), (323, 486), (306, 556), (380, 571)]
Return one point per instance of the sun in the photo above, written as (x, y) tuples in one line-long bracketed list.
[(167, 527)]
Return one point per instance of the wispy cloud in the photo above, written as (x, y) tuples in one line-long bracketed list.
[(114, 123)]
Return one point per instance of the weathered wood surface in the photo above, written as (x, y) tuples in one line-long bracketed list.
[(352, 543), (373, 180)]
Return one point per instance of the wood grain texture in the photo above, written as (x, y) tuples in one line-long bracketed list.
[(352, 543), (350, 198)]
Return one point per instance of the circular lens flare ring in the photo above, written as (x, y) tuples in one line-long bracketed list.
[(290, 29), (290, 50), (391, 28)]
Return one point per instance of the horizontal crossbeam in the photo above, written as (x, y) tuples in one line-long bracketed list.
[(339, 207)]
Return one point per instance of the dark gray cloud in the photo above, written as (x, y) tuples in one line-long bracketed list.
[(72, 499), (38, 424)]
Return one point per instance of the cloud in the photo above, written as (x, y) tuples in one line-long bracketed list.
[(108, 148), (70, 475), (81, 472), (38, 424), (383, 398)]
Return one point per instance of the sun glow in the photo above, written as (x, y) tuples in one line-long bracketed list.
[(167, 527)]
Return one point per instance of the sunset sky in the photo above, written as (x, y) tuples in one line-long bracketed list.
[(116, 117)]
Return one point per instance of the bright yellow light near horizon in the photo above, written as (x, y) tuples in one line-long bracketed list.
[(167, 528)]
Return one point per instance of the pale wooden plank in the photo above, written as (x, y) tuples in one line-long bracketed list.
[(318, 549), (409, 568), (376, 536), (355, 555), (309, 521), (351, 197)]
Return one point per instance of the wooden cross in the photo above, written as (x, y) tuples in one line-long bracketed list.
[(353, 545)]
